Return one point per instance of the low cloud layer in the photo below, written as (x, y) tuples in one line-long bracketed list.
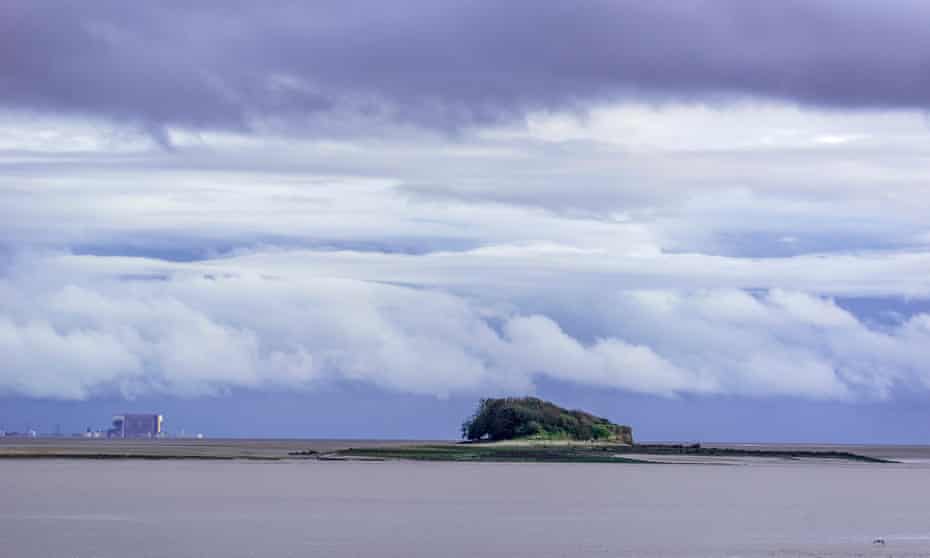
[(91, 331), (474, 266), (448, 65)]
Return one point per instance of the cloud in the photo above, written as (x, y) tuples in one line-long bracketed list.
[(731, 181), (615, 198), (76, 328), (518, 268), (448, 65), (542, 345)]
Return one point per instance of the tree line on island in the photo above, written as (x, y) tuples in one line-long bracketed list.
[(513, 418)]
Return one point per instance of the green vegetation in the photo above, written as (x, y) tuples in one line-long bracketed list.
[(576, 453), (529, 417)]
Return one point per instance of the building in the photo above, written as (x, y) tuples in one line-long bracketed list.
[(136, 426)]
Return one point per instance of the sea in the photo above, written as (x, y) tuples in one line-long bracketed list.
[(82, 508)]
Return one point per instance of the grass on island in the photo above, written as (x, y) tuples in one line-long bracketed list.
[(498, 452), (531, 450)]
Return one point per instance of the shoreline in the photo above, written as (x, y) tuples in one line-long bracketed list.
[(588, 452), (516, 451)]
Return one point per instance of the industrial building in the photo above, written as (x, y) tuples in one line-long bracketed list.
[(136, 426)]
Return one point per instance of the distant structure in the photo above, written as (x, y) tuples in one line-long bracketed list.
[(136, 426)]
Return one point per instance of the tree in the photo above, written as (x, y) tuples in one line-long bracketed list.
[(530, 417)]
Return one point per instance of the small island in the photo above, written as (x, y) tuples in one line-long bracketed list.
[(529, 429), (531, 418)]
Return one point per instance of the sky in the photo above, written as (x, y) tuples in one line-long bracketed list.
[(710, 220)]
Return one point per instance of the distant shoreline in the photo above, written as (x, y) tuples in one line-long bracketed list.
[(445, 451)]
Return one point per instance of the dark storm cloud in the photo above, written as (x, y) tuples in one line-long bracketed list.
[(448, 64)]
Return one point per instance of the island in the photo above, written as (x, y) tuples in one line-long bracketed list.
[(531, 429), (531, 418)]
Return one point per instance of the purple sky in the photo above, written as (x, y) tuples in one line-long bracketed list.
[(681, 209), (451, 64)]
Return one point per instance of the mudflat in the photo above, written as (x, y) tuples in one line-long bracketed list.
[(293, 508)]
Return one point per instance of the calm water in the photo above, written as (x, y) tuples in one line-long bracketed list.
[(104, 509)]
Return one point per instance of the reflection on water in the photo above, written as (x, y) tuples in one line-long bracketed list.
[(110, 509)]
